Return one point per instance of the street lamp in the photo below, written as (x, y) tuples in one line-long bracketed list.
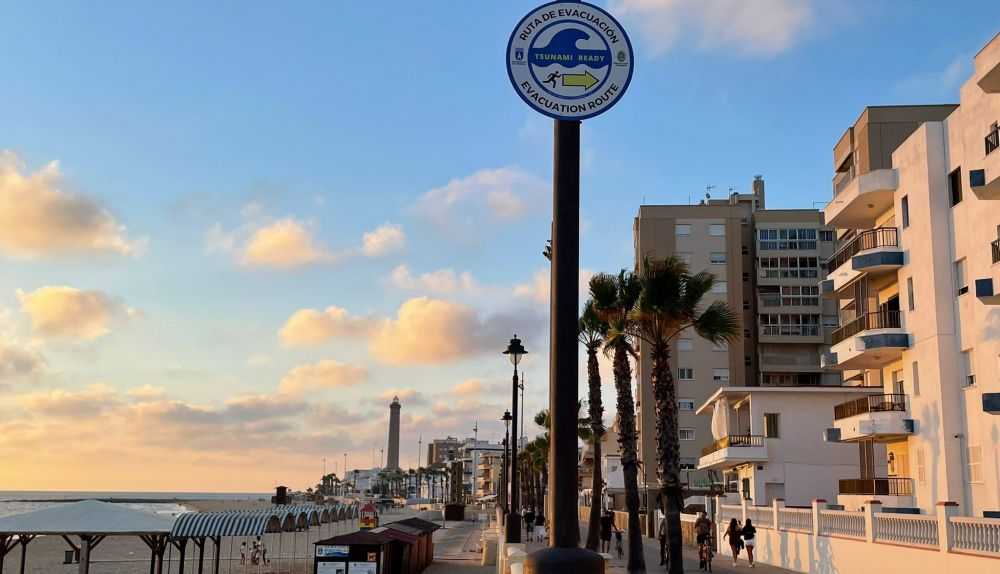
[(515, 351), (504, 464)]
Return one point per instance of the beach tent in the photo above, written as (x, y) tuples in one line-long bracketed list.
[(90, 520)]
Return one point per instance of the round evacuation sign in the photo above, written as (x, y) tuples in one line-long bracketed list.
[(569, 60)]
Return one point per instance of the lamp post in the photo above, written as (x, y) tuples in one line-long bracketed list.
[(505, 464), (515, 351)]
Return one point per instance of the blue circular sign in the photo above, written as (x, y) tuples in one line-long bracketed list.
[(569, 60)]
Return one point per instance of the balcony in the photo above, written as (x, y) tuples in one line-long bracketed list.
[(789, 363), (732, 450), (872, 253), (877, 486), (867, 341), (884, 418), (862, 200), (985, 182)]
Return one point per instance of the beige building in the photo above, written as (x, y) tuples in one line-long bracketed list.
[(917, 208), (768, 263)]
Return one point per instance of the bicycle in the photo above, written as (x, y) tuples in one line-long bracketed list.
[(705, 554)]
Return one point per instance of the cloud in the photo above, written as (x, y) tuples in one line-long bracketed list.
[(325, 374), (538, 289), (309, 327), (407, 397), (471, 387), (71, 313), (760, 28), (386, 239), (18, 363), (263, 242), (440, 282), (258, 360), (92, 401), (486, 197), (428, 331), (261, 407), (284, 244), (147, 393), (941, 83), (38, 219)]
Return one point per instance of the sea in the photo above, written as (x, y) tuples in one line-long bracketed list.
[(169, 503)]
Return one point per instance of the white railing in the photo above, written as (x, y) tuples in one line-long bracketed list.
[(731, 511), (978, 535), (761, 516), (688, 517), (798, 519), (910, 529), (842, 523)]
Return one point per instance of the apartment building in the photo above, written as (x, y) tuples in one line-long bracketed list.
[(767, 263), (916, 206), (441, 450)]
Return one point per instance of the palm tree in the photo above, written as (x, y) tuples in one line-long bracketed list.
[(613, 297), (671, 301), (592, 330)]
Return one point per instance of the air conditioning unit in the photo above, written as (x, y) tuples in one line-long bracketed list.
[(831, 435), (909, 425)]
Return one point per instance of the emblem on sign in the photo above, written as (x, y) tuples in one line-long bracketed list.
[(579, 60)]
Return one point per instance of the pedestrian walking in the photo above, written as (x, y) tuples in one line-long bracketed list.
[(749, 535), (607, 523), (243, 552), (735, 535), (529, 522)]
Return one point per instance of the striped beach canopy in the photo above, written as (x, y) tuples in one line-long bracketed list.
[(285, 518)]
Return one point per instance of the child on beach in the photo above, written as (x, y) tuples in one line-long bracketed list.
[(243, 552)]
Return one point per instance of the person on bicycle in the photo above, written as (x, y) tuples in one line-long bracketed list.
[(703, 530)]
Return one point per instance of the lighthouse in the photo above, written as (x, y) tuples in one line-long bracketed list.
[(392, 458)]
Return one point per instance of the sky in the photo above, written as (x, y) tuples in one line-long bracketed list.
[(231, 232)]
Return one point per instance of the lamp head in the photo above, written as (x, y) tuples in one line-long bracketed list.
[(506, 419), (515, 351)]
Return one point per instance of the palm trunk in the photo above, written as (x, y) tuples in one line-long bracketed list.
[(597, 428), (628, 439), (668, 450)]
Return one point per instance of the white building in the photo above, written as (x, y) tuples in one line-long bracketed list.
[(770, 442), (917, 209)]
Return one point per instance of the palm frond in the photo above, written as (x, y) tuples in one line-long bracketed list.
[(718, 323)]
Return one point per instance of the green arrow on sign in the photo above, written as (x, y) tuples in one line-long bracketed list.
[(585, 80)]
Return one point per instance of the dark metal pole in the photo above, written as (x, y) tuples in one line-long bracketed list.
[(564, 553), (513, 532)]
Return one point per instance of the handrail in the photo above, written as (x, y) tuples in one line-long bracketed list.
[(733, 440), (844, 182), (881, 237), (870, 404), (883, 319), (883, 486), (992, 140)]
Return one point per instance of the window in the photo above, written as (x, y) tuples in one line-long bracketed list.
[(685, 434), (687, 464), (722, 347), (909, 292), (771, 425), (916, 380), (746, 277), (745, 250), (685, 404), (970, 375), (685, 374), (744, 222), (746, 304), (683, 229), (720, 374), (719, 287), (717, 258), (717, 229), (789, 324), (683, 257), (826, 235), (905, 208), (772, 239), (921, 472), (829, 320), (961, 286), (789, 295), (747, 361), (975, 462), (685, 344), (788, 267), (955, 186)]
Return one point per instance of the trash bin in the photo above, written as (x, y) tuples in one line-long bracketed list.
[(454, 511), (68, 556)]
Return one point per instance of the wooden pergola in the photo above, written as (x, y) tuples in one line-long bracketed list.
[(91, 521)]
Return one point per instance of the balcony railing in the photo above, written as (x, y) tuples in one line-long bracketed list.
[(883, 486), (770, 360), (876, 320), (844, 181), (996, 250), (992, 140), (733, 440), (870, 404), (881, 237)]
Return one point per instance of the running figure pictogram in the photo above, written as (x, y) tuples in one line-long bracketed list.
[(552, 78)]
